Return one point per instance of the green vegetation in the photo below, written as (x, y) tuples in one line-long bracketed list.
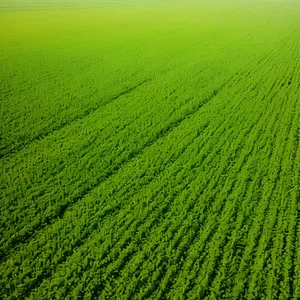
[(150, 150)]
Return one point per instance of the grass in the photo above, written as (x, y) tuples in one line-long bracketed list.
[(149, 150)]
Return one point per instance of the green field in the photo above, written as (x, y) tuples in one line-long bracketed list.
[(150, 149)]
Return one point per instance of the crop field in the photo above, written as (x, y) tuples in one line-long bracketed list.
[(150, 149)]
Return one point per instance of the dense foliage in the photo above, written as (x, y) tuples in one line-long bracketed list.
[(150, 152)]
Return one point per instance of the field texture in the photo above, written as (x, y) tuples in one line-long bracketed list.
[(150, 150)]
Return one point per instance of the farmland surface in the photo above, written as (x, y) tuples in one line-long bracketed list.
[(150, 149)]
